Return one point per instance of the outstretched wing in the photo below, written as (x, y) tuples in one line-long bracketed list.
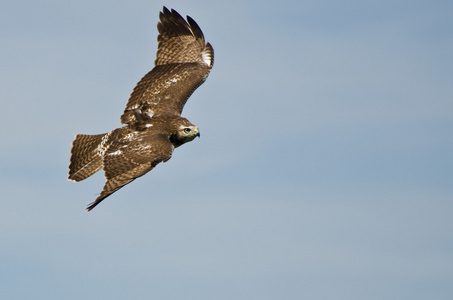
[(183, 62), (124, 161)]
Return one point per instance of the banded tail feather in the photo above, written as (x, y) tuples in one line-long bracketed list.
[(86, 156)]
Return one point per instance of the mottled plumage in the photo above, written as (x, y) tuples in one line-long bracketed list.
[(154, 126)]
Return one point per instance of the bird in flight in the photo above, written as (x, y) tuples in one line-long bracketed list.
[(152, 117)]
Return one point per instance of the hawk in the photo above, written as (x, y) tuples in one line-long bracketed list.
[(152, 117)]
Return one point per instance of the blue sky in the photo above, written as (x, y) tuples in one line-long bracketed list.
[(323, 171)]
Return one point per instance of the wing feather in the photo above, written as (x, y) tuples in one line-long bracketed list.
[(125, 161), (183, 62)]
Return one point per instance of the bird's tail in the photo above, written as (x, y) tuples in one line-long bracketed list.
[(86, 156)]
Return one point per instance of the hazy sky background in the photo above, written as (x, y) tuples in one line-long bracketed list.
[(324, 168)]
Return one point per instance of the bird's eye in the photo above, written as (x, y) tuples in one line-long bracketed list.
[(187, 130)]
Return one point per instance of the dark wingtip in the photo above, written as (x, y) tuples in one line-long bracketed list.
[(196, 30), (91, 206), (95, 203), (173, 23)]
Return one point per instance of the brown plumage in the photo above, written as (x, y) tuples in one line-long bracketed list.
[(183, 62), (154, 126)]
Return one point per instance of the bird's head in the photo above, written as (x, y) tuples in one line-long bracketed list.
[(185, 132)]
